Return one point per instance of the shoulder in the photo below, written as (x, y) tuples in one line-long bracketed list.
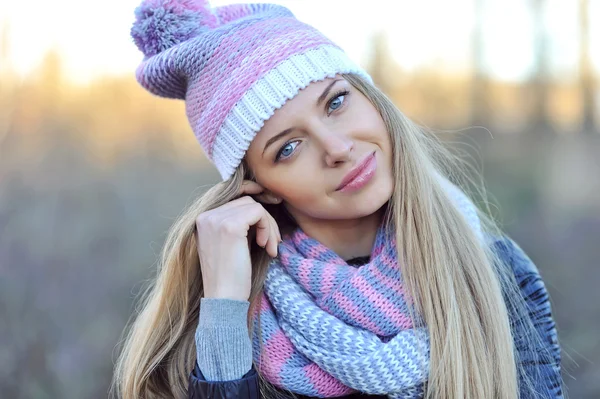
[(527, 278), (512, 255), (540, 361), (526, 273)]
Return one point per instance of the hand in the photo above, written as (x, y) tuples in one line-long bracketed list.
[(223, 243)]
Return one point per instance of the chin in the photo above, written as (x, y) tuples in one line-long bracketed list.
[(367, 202), (378, 192), (367, 208)]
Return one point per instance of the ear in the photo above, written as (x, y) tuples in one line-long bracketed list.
[(268, 197)]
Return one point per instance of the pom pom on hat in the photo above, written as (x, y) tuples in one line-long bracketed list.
[(161, 24)]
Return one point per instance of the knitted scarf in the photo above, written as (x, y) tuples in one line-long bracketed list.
[(330, 329)]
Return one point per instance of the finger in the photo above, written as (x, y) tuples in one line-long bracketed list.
[(228, 207), (276, 229), (263, 232), (250, 187), (273, 237), (267, 234), (279, 239), (255, 215), (238, 202)]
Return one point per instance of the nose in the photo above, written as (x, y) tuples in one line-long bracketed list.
[(338, 148)]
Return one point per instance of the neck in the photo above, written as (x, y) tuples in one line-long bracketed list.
[(349, 238)]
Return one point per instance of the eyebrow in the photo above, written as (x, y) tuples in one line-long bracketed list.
[(288, 130), (326, 91), (276, 137)]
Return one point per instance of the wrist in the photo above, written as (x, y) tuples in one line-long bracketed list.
[(225, 293)]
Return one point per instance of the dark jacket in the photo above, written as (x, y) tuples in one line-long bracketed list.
[(541, 364)]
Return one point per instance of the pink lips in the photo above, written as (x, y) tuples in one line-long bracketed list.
[(360, 175)]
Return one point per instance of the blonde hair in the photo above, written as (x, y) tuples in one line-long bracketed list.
[(456, 282)]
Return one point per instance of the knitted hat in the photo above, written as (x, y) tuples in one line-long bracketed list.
[(233, 65)]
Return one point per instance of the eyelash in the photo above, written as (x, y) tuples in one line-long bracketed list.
[(338, 94)]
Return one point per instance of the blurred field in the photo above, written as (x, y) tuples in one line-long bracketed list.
[(91, 177)]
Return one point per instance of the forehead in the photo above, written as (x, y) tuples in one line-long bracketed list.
[(294, 110), (305, 100)]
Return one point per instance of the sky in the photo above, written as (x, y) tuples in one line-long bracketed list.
[(93, 37)]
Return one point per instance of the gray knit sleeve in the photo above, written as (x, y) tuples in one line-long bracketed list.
[(223, 346)]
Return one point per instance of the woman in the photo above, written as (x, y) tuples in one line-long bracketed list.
[(336, 258)]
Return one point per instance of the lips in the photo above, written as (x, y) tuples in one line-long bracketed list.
[(357, 170)]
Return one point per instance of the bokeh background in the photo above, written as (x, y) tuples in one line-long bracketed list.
[(93, 169)]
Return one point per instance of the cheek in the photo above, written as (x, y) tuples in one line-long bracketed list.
[(366, 119), (377, 126), (296, 185)]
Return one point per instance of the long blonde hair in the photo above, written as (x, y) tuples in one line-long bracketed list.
[(456, 282)]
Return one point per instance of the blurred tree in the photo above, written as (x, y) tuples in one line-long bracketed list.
[(7, 82), (379, 61), (4, 46), (586, 73), (479, 82), (50, 74), (540, 78)]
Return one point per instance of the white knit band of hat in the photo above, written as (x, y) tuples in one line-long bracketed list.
[(271, 92)]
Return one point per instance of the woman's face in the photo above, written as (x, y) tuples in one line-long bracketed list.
[(306, 150)]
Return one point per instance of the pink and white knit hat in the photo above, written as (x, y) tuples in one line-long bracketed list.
[(233, 65)]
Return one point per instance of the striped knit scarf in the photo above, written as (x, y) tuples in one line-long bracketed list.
[(330, 329)]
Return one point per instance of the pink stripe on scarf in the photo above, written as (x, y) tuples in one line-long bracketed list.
[(284, 257), (298, 238), (264, 304), (327, 280), (304, 270), (317, 252), (390, 283), (390, 310), (278, 349), (391, 264), (388, 262), (325, 384), (355, 313)]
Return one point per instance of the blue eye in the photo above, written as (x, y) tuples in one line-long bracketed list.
[(286, 150), (337, 101)]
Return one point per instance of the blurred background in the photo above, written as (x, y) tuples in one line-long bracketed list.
[(93, 169)]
